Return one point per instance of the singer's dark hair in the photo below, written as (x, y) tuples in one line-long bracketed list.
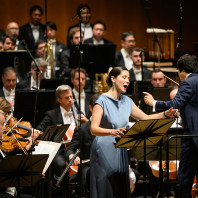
[(100, 22), (188, 63), (116, 71), (125, 34), (36, 7), (82, 6), (51, 24)]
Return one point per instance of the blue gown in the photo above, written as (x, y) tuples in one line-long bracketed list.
[(109, 165)]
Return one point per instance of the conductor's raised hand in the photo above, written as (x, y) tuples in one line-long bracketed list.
[(118, 132), (148, 99)]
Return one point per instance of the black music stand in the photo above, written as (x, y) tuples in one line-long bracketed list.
[(51, 84), (25, 104), (55, 133), (25, 171), (145, 133), (96, 58)]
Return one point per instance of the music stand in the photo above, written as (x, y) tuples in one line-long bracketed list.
[(25, 104), (55, 133), (96, 58), (25, 171), (51, 84), (16, 59), (145, 133)]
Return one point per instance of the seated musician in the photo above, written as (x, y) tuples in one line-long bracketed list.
[(85, 97), (66, 113), (87, 139), (4, 109), (30, 82), (157, 80)]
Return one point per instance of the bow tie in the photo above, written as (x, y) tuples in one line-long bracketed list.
[(35, 27), (68, 113), (85, 25), (137, 72), (82, 96)]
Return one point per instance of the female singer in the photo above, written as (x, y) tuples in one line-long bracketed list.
[(109, 165)]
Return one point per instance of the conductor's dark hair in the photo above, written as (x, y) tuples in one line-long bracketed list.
[(36, 7), (51, 24), (188, 63), (100, 22), (82, 6), (116, 71), (125, 34)]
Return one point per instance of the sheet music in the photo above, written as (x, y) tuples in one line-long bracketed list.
[(47, 147)]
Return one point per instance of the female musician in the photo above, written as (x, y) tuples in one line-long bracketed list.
[(109, 165)]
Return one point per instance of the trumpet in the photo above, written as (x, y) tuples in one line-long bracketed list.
[(49, 58)]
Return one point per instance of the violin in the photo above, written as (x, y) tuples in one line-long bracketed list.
[(12, 121), (15, 141)]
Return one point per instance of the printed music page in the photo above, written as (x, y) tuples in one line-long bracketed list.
[(47, 147)]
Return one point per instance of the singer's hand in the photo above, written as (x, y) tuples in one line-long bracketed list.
[(148, 99)]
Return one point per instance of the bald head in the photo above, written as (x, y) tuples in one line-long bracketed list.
[(12, 30)]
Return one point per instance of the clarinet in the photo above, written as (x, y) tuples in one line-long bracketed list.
[(66, 169)]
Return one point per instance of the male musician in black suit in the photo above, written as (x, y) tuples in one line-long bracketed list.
[(98, 30), (137, 55), (84, 146), (84, 11), (64, 114), (65, 59), (33, 30), (30, 82), (12, 30), (57, 46), (122, 57), (85, 97), (186, 100), (9, 79)]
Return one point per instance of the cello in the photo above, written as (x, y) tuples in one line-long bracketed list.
[(173, 168)]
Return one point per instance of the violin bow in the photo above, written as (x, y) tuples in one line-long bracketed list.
[(10, 131)]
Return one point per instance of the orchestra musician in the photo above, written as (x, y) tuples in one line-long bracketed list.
[(186, 100), (4, 111), (86, 141), (109, 166), (66, 113)]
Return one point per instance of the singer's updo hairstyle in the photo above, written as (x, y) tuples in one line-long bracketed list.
[(116, 71), (188, 63)]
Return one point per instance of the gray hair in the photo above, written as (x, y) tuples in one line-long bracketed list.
[(39, 62), (62, 88)]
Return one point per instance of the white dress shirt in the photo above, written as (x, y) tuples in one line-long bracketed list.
[(82, 102), (87, 29), (138, 73), (35, 31), (68, 117), (127, 60), (33, 83), (95, 42)]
